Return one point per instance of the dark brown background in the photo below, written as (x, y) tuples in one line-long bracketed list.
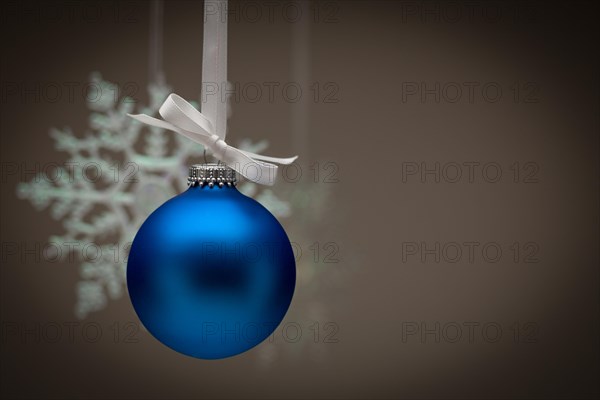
[(369, 50)]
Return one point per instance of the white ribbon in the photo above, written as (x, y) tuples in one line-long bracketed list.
[(209, 127), (181, 117)]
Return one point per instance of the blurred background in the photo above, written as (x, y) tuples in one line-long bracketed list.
[(443, 211)]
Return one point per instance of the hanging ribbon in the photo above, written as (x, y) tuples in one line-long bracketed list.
[(209, 127)]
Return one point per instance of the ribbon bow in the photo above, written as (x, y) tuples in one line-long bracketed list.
[(181, 117)]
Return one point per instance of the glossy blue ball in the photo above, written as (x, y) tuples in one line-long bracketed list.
[(211, 273)]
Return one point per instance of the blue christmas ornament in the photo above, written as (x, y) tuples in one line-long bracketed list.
[(211, 273)]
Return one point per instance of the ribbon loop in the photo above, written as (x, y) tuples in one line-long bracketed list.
[(180, 113)]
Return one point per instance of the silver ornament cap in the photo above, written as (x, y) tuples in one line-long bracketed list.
[(211, 174)]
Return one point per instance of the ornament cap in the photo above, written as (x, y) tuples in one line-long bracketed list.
[(211, 175)]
